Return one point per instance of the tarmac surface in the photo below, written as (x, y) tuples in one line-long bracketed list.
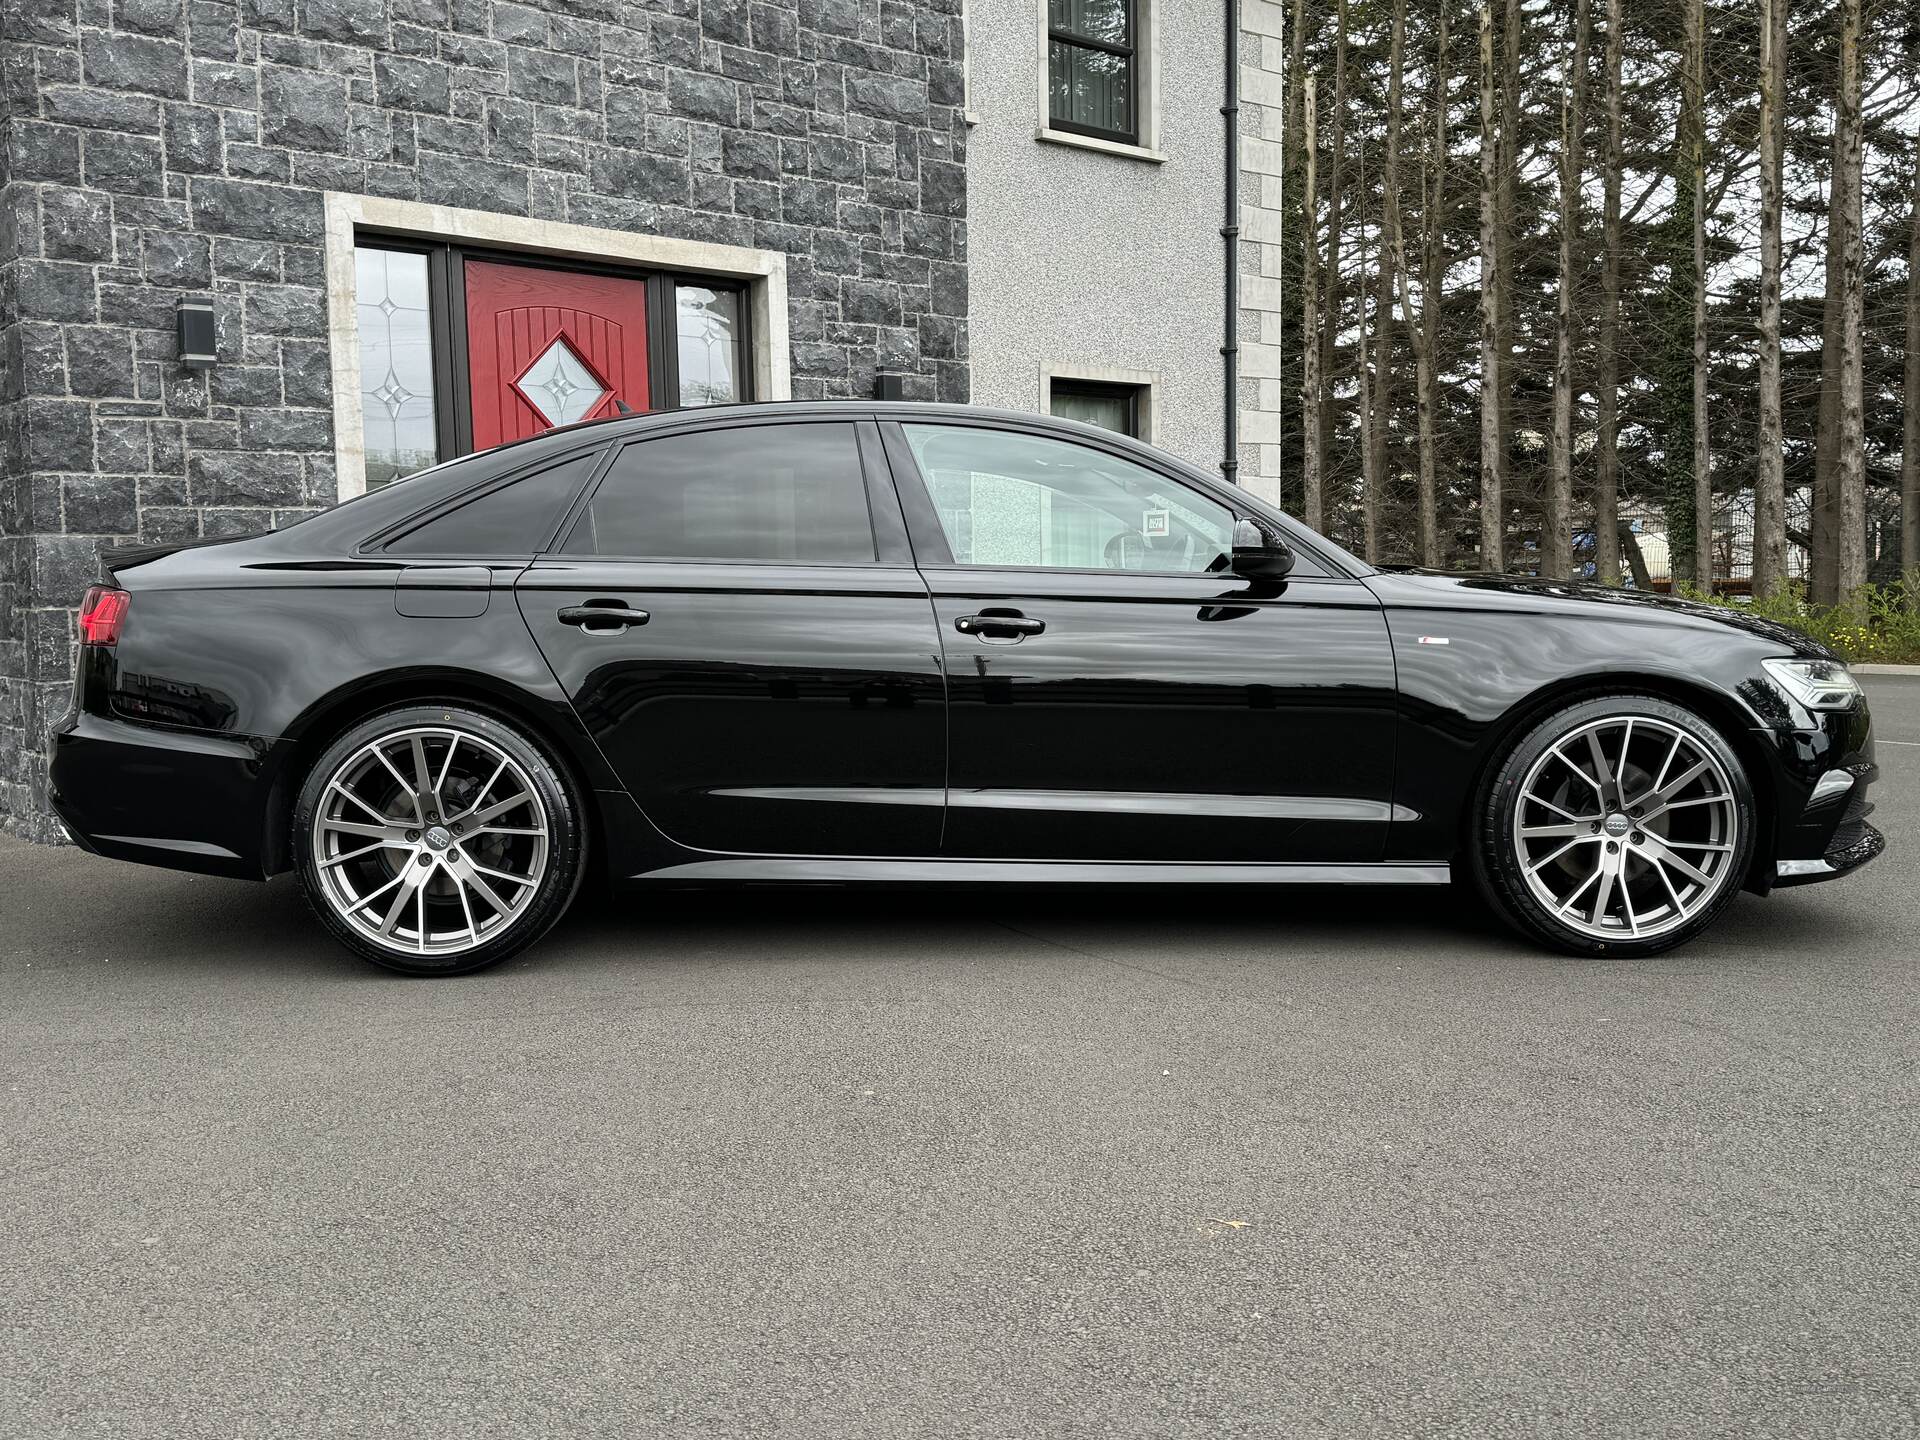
[(1116, 1163)]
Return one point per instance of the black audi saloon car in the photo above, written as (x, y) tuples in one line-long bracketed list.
[(853, 642)]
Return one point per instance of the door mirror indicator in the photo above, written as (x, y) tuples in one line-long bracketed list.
[(1260, 553)]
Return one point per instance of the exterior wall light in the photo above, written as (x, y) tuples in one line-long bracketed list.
[(194, 320)]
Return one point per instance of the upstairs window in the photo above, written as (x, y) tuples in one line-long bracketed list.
[(1092, 74)]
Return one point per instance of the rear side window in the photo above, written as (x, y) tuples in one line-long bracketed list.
[(792, 493), (516, 519)]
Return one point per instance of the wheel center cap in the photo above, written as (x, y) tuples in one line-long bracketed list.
[(1617, 825), (439, 837)]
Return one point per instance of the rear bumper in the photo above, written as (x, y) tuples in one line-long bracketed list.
[(177, 798)]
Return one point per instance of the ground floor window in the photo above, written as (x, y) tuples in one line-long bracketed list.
[(1109, 405), (463, 348), (398, 397)]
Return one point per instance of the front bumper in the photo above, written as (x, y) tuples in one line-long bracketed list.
[(1837, 820), (1825, 770), (182, 799)]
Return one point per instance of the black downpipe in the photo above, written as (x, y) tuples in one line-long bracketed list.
[(1230, 234)]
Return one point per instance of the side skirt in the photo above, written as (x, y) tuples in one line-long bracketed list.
[(845, 870)]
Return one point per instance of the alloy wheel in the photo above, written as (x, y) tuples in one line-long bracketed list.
[(1625, 828), (429, 840)]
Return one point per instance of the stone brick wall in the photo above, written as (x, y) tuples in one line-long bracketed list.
[(164, 149)]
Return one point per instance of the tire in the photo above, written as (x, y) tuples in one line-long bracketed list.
[(1629, 851), (492, 888)]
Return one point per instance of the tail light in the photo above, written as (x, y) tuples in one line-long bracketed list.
[(101, 615)]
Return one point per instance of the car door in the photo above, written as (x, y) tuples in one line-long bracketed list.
[(735, 615), (1114, 692)]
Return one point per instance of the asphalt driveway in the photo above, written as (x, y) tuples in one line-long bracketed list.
[(1126, 1163)]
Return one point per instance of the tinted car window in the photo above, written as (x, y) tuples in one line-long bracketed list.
[(515, 519), (1011, 499), (748, 492)]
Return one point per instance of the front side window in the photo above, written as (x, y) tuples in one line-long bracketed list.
[(1091, 68), (1007, 499), (514, 519), (399, 416), (775, 493)]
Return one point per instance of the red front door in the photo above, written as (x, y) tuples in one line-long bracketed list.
[(549, 347)]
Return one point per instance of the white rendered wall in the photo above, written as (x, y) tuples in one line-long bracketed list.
[(1085, 261)]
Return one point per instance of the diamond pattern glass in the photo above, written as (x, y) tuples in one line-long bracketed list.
[(397, 411), (709, 323), (559, 384)]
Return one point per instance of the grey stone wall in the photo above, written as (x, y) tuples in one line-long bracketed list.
[(161, 149)]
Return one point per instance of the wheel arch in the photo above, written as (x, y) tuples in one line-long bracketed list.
[(1722, 710), (332, 716)]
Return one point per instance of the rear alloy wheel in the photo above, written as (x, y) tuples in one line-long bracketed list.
[(1620, 826), (437, 840)]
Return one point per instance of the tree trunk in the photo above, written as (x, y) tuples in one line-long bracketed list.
[(1292, 205), (1512, 117), (1369, 453), (1333, 299), (1433, 269), (1678, 329), (1606, 483), (1697, 168), (1823, 574), (1910, 435), (1382, 403), (1492, 513), (1556, 521), (1296, 75), (1851, 516), (1769, 487), (1310, 407), (1624, 538)]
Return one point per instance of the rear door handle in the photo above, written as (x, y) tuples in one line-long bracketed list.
[(603, 617), (999, 624)]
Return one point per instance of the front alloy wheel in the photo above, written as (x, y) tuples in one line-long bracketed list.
[(437, 840), (1620, 826)]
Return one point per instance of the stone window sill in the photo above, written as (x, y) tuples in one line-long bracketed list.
[(1105, 147)]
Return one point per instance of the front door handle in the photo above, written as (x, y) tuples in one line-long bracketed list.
[(602, 617), (999, 625)]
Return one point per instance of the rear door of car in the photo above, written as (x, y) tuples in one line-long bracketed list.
[(734, 611)]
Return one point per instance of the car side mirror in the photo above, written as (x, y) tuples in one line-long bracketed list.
[(1260, 553)]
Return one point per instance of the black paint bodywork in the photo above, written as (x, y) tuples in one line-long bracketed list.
[(834, 722)]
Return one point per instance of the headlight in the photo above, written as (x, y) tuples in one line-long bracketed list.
[(1816, 684)]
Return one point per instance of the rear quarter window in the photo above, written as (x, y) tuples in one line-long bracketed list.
[(517, 518)]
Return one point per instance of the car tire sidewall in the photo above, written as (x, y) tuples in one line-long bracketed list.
[(1496, 862), (566, 846)]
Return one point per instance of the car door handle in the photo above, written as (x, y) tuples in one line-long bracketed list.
[(999, 624), (602, 617)]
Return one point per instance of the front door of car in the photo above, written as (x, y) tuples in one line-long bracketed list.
[(1115, 692), (735, 615)]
